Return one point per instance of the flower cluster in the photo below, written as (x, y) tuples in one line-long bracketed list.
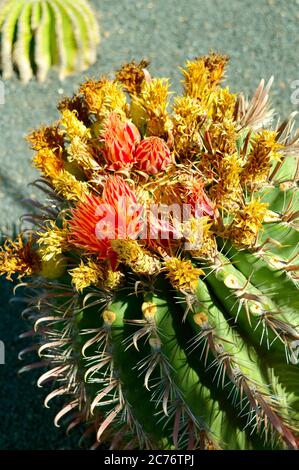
[(137, 180)]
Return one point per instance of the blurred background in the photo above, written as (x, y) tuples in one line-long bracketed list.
[(262, 39)]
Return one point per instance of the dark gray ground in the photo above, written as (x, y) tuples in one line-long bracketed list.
[(262, 39)]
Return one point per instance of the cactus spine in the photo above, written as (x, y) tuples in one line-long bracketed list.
[(167, 332)]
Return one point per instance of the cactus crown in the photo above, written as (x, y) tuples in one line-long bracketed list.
[(39, 34), (162, 273)]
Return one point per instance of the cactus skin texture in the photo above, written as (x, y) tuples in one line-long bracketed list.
[(160, 341), (39, 34)]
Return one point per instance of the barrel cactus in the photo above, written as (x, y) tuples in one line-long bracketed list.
[(38, 34), (161, 273)]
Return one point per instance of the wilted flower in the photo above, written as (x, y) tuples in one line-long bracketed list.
[(199, 201)]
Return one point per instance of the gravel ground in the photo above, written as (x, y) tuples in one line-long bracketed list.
[(262, 39)]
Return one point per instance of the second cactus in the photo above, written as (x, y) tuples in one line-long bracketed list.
[(39, 34)]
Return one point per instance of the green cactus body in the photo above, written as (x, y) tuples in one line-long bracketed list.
[(39, 34), (203, 385), (157, 341)]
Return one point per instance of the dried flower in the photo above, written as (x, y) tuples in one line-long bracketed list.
[(104, 96), (50, 137), (247, 222), (134, 256), (73, 126), (182, 274), (132, 75), (265, 150), (153, 99), (52, 241), (85, 275), (18, 257)]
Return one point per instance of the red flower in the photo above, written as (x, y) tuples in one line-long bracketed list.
[(153, 155), (115, 189), (96, 221), (199, 201), (83, 227), (119, 139), (122, 199)]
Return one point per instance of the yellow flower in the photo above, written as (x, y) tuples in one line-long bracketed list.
[(200, 241), (132, 75), (82, 154), (222, 136), (113, 279), (227, 191), (93, 273), (202, 75), (104, 96), (53, 241), (53, 167), (69, 187), (85, 275), (223, 104), (153, 99), (221, 149), (73, 125), (188, 118), (134, 256), (18, 257), (47, 161), (265, 150), (182, 274), (247, 223)]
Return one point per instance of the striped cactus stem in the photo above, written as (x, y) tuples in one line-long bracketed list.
[(39, 34), (161, 274)]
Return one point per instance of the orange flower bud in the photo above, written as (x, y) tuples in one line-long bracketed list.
[(119, 139), (153, 155)]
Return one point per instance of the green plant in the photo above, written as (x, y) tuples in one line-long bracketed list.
[(38, 34), (177, 328)]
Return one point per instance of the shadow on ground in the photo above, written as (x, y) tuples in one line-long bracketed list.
[(24, 422)]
